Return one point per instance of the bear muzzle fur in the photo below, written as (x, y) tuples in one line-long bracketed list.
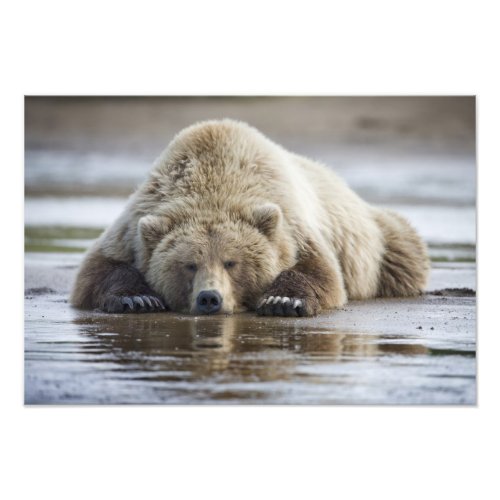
[(212, 292)]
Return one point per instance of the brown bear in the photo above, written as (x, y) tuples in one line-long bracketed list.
[(229, 221)]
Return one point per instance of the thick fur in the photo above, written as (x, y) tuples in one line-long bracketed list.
[(225, 208)]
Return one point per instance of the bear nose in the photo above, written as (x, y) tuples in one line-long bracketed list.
[(209, 301)]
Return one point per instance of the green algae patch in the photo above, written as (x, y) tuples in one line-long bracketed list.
[(62, 232), (65, 239), (442, 258), (452, 252), (52, 248)]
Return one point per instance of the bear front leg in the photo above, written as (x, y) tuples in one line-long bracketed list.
[(114, 287), (312, 284)]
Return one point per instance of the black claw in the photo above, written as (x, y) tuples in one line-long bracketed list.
[(282, 309), (137, 300), (288, 308), (127, 301), (137, 303), (159, 303), (301, 309)]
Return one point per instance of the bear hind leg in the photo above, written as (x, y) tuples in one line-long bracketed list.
[(405, 264)]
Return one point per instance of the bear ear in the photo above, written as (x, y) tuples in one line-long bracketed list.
[(152, 228), (267, 219)]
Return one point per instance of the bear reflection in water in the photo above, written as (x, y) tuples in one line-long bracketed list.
[(239, 348)]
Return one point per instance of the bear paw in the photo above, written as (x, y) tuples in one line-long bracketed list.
[(132, 304), (284, 306)]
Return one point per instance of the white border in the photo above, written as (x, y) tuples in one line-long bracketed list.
[(56, 47)]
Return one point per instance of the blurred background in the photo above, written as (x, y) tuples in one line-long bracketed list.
[(85, 155)]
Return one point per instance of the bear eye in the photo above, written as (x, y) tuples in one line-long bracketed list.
[(191, 267), (229, 264)]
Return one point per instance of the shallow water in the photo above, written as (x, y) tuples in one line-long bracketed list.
[(73, 357)]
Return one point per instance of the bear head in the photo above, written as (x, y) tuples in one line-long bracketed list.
[(216, 263)]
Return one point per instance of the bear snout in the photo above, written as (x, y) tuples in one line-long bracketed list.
[(208, 302)]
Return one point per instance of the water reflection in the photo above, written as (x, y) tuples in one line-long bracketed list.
[(77, 357), (235, 348)]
